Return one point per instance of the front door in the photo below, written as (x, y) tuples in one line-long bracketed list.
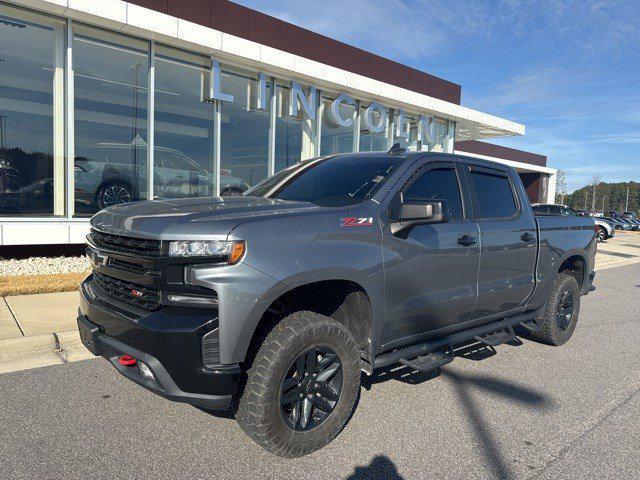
[(430, 270)]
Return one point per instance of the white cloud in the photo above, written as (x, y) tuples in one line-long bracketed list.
[(402, 30)]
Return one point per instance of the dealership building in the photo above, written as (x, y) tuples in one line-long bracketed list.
[(106, 101)]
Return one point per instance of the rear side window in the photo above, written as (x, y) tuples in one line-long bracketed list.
[(438, 184), (495, 195)]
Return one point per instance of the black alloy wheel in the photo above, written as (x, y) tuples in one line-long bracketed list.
[(560, 317), (564, 311), (311, 388)]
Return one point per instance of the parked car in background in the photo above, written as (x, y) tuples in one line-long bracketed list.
[(614, 223), (632, 225), (631, 218), (110, 174), (604, 230), (556, 210), (626, 224)]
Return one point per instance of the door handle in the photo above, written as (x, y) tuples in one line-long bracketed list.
[(467, 240), (527, 237)]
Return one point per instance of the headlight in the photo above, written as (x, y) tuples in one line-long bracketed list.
[(229, 252)]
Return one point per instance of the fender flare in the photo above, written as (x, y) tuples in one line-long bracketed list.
[(252, 321)]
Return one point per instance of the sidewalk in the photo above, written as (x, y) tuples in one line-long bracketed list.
[(38, 330)]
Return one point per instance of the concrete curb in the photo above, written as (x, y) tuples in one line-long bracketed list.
[(22, 353)]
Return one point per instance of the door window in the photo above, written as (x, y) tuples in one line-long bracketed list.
[(437, 184), (494, 194)]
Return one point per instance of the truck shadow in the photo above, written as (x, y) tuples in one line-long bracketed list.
[(464, 385), (381, 467)]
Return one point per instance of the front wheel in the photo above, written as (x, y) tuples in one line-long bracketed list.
[(561, 312), (302, 386), (601, 235), (114, 193)]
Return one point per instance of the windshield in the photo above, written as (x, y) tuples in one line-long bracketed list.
[(329, 182)]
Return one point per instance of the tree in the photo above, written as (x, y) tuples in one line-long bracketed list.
[(561, 186), (614, 194), (595, 181)]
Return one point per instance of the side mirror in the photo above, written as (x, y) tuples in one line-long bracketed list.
[(410, 213)]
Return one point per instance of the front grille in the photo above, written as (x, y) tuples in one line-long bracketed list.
[(128, 292), (126, 266), (120, 243)]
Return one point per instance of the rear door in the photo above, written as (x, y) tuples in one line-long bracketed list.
[(430, 270), (508, 240)]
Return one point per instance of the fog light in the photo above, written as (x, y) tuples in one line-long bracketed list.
[(145, 371)]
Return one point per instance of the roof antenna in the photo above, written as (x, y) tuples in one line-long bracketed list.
[(397, 149)]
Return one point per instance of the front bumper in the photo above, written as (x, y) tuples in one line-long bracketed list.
[(168, 341)]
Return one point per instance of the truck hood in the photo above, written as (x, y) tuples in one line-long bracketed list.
[(191, 218)]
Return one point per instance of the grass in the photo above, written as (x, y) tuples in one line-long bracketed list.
[(30, 284)]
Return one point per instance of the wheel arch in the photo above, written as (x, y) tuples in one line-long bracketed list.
[(344, 298), (575, 265)]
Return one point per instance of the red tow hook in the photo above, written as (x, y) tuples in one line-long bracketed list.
[(127, 361)]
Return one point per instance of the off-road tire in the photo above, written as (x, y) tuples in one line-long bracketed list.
[(258, 410), (550, 331)]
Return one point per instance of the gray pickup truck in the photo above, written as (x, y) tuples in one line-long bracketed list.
[(272, 304)]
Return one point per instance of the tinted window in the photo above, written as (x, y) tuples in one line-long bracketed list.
[(495, 196), (437, 184), (541, 209), (337, 181)]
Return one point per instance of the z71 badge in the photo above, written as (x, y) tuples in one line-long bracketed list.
[(356, 222)]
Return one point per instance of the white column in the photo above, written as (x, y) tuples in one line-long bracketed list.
[(217, 122), (551, 189), (318, 131), (356, 127), (273, 113), (449, 141), (151, 91), (69, 121), (58, 120), (391, 122)]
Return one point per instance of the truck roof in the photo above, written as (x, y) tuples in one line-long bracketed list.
[(404, 155)]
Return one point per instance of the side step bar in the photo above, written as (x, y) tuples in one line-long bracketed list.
[(423, 349), (430, 361), (497, 338)]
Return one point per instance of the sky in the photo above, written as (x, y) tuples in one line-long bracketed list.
[(568, 70)]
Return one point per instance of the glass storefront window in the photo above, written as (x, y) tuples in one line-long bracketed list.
[(372, 141), (410, 126), (110, 86), (31, 114), (441, 135), (111, 72), (294, 135), (244, 132), (335, 138), (184, 127)]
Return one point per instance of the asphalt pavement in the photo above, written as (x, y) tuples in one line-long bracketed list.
[(530, 411)]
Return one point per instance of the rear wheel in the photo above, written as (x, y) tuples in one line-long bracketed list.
[(601, 234), (561, 313), (302, 386)]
